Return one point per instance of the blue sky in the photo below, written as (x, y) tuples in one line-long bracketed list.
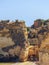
[(27, 10)]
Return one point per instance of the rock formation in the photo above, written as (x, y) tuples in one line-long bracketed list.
[(44, 51), (17, 40), (13, 38)]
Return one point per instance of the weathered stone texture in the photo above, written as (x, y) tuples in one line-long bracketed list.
[(44, 58)]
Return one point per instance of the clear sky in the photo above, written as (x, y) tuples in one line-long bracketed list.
[(27, 10)]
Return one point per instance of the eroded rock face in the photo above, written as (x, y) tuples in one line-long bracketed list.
[(43, 58), (44, 52), (38, 32), (4, 41), (13, 38)]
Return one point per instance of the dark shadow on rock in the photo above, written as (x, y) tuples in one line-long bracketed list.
[(10, 59)]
